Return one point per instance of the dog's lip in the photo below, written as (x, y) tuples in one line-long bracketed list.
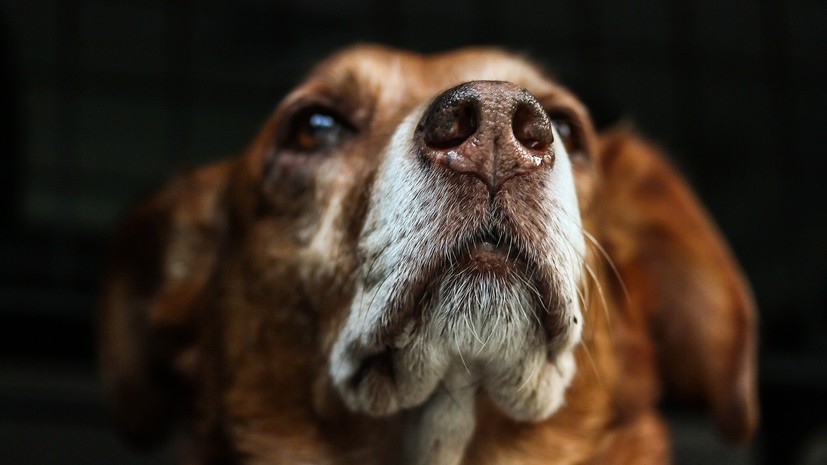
[(489, 246)]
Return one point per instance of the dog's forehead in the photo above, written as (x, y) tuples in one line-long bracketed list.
[(393, 75)]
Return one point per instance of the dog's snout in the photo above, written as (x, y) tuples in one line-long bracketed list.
[(492, 130)]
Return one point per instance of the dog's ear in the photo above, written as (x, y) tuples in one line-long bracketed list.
[(682, 282), (159, 265)]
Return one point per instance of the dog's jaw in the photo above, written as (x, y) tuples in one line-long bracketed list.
[(419, 330)]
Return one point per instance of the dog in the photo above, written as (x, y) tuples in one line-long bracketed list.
[(430, 260)]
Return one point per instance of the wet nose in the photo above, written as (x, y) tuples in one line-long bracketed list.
[(495, 131)]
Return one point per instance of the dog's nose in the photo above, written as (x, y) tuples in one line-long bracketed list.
[(492, 130)]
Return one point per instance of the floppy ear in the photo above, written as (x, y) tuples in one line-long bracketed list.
[(160, 262), (682, 282)]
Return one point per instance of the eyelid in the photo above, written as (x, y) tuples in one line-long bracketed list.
[(557, 113)]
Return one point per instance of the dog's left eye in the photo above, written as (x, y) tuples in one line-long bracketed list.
[(316, 129), (563, 129), (568, 132)]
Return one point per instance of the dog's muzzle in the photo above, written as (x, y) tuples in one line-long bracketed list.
[(472, 253)]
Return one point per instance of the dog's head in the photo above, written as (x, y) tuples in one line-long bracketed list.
[(405, 226)]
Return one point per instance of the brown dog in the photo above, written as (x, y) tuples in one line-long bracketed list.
[(426, 260)]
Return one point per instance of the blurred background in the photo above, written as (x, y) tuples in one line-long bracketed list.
[(104, 100)]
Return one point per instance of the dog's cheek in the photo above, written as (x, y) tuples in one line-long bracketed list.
[(287, 188), (335, 210), (327, 261)]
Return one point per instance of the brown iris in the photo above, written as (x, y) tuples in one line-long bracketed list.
[(316, 130)]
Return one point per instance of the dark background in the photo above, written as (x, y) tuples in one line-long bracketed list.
[(103, 100)]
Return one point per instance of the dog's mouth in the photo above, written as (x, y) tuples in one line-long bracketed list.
[(486, 307), (489, 258), (488, 251), (495, 256), (488, 248)]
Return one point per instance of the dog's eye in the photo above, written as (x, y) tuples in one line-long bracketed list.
[(316, 129), (569, 133), (563, 129)]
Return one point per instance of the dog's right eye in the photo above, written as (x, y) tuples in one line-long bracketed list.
[(316, 129)]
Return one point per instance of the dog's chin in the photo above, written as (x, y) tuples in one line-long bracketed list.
[(485, 315)]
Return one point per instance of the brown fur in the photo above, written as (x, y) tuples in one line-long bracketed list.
[(217, 313)]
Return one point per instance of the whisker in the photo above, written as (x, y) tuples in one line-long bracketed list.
[(369, 272), (373, 298), (590, 271), (609, 260), (527, 285), (603, 253), (593, 365), (599, 288), (530, 377), (471, 327), (490, 334), (581, 296), (462, 359)]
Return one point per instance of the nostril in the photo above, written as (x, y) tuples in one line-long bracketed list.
[(450, 127), (531, 128), (491, 130)]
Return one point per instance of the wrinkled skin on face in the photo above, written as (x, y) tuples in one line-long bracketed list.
[(333, 295)]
